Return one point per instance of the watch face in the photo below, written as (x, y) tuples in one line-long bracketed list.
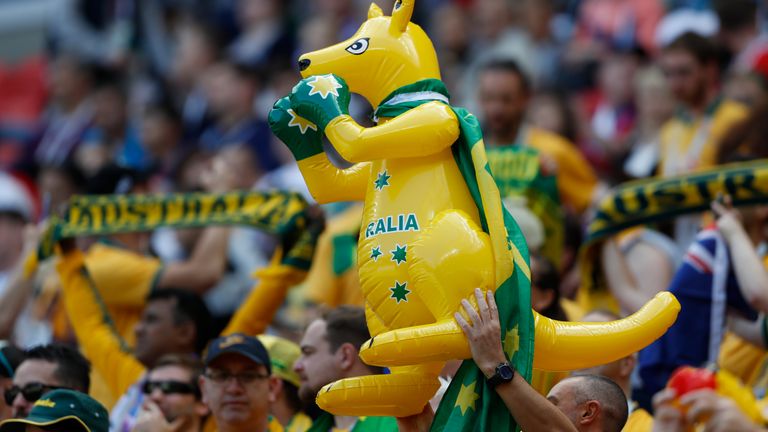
[(505, 372)]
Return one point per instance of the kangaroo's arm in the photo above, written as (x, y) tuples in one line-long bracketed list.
[(329, 184), (421, 131)]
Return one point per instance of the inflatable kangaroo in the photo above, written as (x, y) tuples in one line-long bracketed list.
[(421, 248)]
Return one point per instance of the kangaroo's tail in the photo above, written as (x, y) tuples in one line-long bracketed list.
[(563, 346)]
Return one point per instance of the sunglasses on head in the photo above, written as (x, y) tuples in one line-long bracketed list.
[(31, 392), (169, 387)]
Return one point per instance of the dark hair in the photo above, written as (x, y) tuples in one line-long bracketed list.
[(510, 66), (547, 278), (189, 362), (163, 107), (700, 47), (735, 14), (72, 369), (346, 324), (10, 359), (747, 139), (612, 399), (188, 307), (114, 179), (292, 396)]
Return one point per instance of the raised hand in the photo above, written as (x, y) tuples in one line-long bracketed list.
[(302, 137), (320, 99)]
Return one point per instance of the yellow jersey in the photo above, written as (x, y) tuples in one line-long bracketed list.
[(690, 143)]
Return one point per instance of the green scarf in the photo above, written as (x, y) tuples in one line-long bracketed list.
[(469, 403), (279, 213), (663, 198)]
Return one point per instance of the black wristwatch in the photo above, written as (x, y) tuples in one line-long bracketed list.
[(504, 374)]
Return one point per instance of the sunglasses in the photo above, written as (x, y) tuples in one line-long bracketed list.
[(31, 392), (169, 387)]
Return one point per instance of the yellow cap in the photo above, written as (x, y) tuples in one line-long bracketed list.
[(282, 354)]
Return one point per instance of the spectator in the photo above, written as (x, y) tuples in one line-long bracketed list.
[(329, 352), (173, 322), (582, 403), (266, 39), (287, 408), (113, 136), (10, 359), (198, 48), (689, 140), (654, 107), (237, 385), (173, 400), (717, 413), (45, 368), (62, 410), (504, 92), (70, 112), (95, 31), (231, 92), (17, 320)]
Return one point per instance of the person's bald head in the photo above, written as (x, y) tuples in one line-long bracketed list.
[(591, 403)]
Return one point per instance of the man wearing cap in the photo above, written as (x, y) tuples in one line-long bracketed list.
[(62, 411), (237, 384), (287, 409)]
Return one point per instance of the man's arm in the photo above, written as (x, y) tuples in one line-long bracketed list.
[(204, 268), (208, 261), (531, 410), (20, 284), (99, 343)]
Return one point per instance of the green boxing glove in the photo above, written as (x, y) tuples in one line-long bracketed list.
[(320, 99), (302, 137)]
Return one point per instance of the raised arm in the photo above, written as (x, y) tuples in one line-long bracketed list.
[(326, 183), (747, 265), (98, 340)]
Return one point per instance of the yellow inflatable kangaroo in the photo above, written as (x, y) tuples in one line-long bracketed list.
[(421, 248)]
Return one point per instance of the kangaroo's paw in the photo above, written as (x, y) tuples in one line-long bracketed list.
[(398, 395), (440, 341)]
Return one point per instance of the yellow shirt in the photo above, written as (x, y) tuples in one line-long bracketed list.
[(639, 421), (689, 144), (323, 285), (576, 181), (300, 422)]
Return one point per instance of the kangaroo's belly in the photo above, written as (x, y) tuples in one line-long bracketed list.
[(403, 197)]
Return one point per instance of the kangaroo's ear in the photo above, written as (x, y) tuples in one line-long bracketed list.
[(401, 15), (374, 11)]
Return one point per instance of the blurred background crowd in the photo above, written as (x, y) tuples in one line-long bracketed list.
[(126, 96)]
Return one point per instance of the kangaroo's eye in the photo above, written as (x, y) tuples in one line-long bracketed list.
[(358, 47)]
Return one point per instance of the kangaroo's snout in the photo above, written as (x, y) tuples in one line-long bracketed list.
[(303, 64)]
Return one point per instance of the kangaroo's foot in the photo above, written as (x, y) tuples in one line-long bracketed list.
[(440, 341), (399, 394)]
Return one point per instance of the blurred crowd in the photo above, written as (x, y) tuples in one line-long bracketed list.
[(574, 98)]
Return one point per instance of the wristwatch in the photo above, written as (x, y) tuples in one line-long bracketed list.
[(504, 374)]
